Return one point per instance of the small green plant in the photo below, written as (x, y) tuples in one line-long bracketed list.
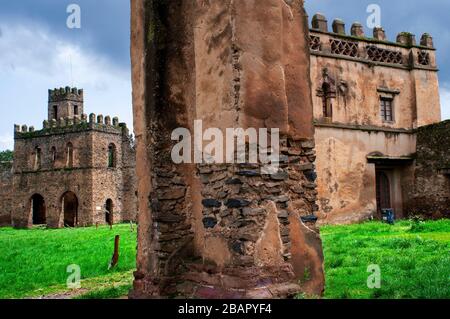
[(417, 224), (307, 274)]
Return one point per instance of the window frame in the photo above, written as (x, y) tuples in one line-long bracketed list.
[(384, 101), (112, 155)]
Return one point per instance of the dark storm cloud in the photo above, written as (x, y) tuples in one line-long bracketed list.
[(104, 29)]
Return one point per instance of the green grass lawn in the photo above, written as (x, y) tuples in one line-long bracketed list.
[(414, 259), (34, 262)]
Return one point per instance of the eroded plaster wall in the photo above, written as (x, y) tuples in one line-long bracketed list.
[(346, 180)]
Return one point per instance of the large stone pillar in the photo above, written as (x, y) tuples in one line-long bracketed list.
[(224, 230)]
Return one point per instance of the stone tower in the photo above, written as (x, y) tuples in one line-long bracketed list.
[(65, 103), (224, 230)]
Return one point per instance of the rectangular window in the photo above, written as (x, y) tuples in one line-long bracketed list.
[(55, 112), (75, 110), (387, 112)]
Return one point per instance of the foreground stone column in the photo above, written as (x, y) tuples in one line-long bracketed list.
[(224, 230)]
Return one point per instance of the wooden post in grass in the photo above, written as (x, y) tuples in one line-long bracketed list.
[(115, 257)]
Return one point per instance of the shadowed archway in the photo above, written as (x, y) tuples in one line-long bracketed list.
[(70, 209), (38, 210), (109, 214)]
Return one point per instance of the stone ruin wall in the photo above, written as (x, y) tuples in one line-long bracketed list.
[(430, 195), (223, 230), (6, 193)]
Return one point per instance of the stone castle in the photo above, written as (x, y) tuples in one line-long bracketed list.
[(75, 171), (359, 119)]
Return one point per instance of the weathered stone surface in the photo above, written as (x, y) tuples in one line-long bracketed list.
[(429, 193), (280, 176), (230, 64), (211, 203), (236, 203)]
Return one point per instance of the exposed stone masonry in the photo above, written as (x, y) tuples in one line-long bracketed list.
[(429, 194)]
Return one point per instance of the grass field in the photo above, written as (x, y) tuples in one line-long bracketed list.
[(414, 259), (33, 263)]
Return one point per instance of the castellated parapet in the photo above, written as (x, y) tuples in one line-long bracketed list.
[(67, 93), (405, 52), (73, 125)]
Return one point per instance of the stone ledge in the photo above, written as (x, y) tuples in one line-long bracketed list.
[(367, 128), (82, 127), (371, 40)]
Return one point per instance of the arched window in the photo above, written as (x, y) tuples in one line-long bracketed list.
[(37, 158), (53, 155), (111, 155), (69, 162)]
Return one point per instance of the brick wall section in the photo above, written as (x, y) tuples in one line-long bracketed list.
[(430, 196), (6, 178)]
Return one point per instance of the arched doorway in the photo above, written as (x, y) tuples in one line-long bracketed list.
[(70, 209), (383, 191), (38, 210), (109, 213)]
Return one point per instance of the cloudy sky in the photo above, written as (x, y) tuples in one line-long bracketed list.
[(38, 51)]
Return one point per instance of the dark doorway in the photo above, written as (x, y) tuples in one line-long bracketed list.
[(38, 210), (383, 191), (70, 209), (109, 217)]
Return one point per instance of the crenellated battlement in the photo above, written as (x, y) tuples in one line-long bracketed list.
[(405, 52), (81, 123), (65, 94)]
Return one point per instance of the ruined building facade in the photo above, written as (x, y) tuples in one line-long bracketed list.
[(371, 100), (75, 171)]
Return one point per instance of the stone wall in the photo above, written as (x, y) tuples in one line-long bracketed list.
[(6, 193), (223, 230), (430, 195)]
